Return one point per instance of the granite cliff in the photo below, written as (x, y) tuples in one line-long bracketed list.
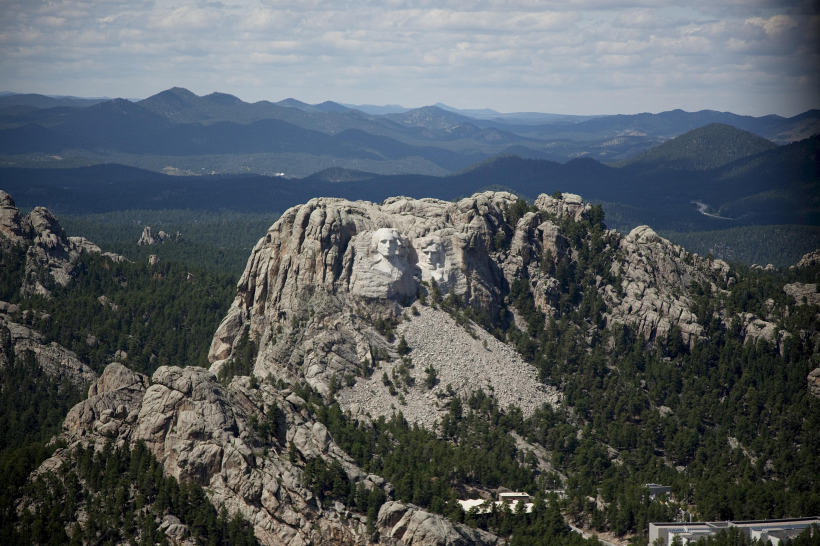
[(50, 256), (204, 431), (318, 283)]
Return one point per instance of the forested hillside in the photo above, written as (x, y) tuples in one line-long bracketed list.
[(726, 419), (155, 315), (781, 246), (728, 423), (778, 186), (706, 148), (219, 241)]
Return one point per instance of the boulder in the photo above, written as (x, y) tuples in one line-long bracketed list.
[(414, 527), (569, 204), (813, 380), (812, 259)]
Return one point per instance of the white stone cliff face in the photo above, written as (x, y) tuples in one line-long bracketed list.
[(321, 261), (326, 269)]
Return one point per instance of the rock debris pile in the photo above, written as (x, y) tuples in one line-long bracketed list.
[(462, 363)]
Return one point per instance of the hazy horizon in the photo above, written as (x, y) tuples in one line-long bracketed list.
[(386, 105), (590, 57)]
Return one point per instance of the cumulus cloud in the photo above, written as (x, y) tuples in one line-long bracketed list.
[(576, 56)]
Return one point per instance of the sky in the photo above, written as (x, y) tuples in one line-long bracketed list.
[(752, 57)]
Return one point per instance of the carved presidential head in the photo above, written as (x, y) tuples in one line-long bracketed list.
[(387, 242), (431, 252)]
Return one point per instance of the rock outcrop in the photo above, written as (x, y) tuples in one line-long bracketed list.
[(14, 228), (812, 259), (202, 431), (51, 256), (321, 261), (814, 382), (327, 271), (410, 526), (148, 237), (568, 204), (655, 276), (803, 294), (754, 329), (55, 361)]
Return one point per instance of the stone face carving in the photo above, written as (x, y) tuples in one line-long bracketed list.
[(387, 242), (326, 270), (384, 270), (319, 264), (432, 253)]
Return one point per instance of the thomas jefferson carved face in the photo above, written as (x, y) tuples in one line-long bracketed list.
[(386, 241)]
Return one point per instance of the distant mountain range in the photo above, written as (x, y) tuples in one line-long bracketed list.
[(179, 131), (710, 178), (649, 167)]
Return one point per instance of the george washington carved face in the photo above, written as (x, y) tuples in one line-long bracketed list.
[(382, 267), (386, 241)]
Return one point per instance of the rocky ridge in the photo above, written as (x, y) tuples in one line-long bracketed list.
[(655, 276), (202, 431), (327, 271), (51, 256), (55, 360), (148, 237)]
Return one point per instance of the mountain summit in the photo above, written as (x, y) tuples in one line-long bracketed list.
[(704, 148)]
